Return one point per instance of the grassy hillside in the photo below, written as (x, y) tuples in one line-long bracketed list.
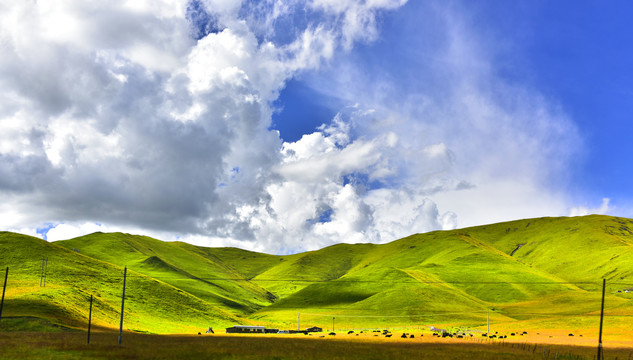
[(72, 277), (533, 272), (192, 269)]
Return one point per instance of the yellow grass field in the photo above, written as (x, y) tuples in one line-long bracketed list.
[(366, 345)]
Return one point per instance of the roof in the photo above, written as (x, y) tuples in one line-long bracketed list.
[(248, 327)]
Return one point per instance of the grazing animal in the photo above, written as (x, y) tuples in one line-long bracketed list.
[(350, 332), (388, 335), (404, 336), (411, 337)]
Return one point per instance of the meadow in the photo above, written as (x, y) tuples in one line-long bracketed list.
[(103, 345), (543, 276)]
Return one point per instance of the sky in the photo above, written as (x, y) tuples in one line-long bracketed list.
[(290, 125)]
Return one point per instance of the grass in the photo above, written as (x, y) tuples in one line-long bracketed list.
[(72, 345), (71, 279), (542, 273)]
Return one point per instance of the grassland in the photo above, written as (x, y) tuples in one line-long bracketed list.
[(103, 345), (529, 274)]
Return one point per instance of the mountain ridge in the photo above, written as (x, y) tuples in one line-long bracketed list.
[(515, 267)]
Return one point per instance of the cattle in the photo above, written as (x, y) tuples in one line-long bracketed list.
[(388, 335), (350, 332), (404, 336)]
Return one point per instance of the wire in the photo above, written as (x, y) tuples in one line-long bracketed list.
[(339, 280)]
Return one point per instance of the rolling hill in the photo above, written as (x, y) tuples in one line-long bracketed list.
[(533, 271)]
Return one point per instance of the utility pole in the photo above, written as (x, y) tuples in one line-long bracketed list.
[(298, 321), (488, 321), (122, 306), (45, 268), (333, 323), (89, 319), (4, 289), (604, 285), (43, 272)]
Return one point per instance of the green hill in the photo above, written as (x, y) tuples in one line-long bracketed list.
[(543, 272), (192, 269), (72, 277)]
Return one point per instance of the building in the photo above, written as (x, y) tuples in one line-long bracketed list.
[(245, 329)]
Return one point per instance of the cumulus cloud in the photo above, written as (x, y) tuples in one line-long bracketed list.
[(472, 146), (155, 116), (604, 208)]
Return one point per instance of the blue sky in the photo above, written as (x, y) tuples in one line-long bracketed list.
[(576, 56), (584, 62), (283, 126)]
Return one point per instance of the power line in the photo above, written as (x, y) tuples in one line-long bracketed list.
[(387, 316), (339, 280)]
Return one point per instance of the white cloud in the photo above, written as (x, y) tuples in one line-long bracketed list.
[(114, 118), (358, 19), (472, 146), (68, 231), (112, 113), (603, 209)]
